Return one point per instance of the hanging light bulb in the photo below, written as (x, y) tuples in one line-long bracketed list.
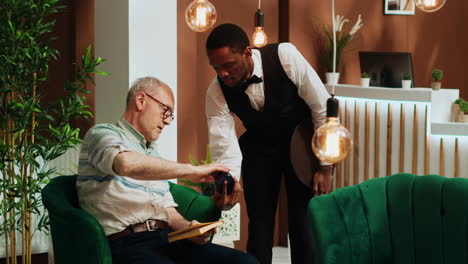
[(430, 5), (200, 15), (259, 37), (331, 142)]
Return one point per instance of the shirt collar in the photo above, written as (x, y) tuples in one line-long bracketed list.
[(257, 60), (133, 133)]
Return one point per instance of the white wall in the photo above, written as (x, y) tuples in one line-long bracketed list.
[(111, 43), (138, 38), (153, 52)]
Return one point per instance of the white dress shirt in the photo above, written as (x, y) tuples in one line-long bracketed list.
[(222, 135)]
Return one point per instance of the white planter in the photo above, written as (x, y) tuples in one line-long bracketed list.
[(406, 84), (365, 82), (332, 77), (436, 85)]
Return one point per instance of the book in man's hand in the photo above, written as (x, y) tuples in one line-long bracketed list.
[(194, 230)]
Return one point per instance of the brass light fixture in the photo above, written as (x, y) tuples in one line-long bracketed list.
[(200, 15), (430, 5), (332, 142), (259, 37)]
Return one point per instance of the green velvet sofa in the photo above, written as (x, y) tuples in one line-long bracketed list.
[(77, 236), (399, 219)]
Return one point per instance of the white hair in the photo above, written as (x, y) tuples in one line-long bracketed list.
[(143, 84)]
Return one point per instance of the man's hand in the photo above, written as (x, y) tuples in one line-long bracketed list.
[(202, 173), (203, 238), (224, 201), (323, 180)]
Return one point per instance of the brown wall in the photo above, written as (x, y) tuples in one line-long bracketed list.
[(436, 40), (74, 30)]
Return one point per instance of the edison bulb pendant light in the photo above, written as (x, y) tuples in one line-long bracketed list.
[(430, 5), (259, 37), (200, 15), (331, 142)]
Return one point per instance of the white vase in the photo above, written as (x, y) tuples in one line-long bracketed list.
[(406, 84), (332, 77), (365, 82)]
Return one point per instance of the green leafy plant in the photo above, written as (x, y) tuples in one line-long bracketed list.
[(33, 130), (207, 188), (464, 107), (458, 101), (406, 76), (437, 75), (342, 39), (364, 75)]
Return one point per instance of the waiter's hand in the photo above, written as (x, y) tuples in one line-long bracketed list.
[(323, 179), (224, 201)]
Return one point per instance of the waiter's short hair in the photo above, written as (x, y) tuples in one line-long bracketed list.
[(228, 35)]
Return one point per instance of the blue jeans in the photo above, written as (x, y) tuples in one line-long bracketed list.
[(153, 247)]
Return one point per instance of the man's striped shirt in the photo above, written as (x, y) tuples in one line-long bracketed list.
[(117, 201)]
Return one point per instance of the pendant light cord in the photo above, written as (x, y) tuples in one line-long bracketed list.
[(334, 46), (259, 3)]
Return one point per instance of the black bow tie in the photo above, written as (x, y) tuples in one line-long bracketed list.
[(252, 79), (249, 81)]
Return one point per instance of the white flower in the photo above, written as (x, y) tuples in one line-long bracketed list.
[(356, 26), (339, 23)]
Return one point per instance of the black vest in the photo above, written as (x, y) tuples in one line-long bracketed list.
[(283, 109)]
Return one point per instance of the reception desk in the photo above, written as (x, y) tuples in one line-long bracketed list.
[(400, 130)]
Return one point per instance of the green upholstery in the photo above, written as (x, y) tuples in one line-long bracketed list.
[(400, 219), (77, 236)]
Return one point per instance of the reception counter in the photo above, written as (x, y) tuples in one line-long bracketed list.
[(400, 130)]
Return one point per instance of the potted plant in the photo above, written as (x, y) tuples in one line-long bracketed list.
[(343, 38), (406, 80), (456, 110), (463, 117), (436, 79), (365, 79), (33, 129)]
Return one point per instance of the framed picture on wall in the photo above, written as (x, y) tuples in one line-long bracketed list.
[(399, 7)]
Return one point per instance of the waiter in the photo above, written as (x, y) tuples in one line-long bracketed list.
[(271, 90)]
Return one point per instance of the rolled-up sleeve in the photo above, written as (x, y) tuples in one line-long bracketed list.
[(103, 145)]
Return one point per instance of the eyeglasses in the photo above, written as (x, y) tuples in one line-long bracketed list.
[(167, 111)]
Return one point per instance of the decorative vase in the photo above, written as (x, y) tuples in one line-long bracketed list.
[(365, 82), (464, 117), (436, 85), (332, 77), (455, 113), (406, 84)]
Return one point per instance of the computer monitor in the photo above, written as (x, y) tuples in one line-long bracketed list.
[(386, 68)]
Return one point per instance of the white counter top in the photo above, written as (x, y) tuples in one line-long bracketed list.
[(452, 129), (440, 102)]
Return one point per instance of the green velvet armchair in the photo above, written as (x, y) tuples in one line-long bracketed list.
[(398, 219), (77, 237)]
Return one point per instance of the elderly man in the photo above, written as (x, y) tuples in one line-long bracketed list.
[(122, 182)]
